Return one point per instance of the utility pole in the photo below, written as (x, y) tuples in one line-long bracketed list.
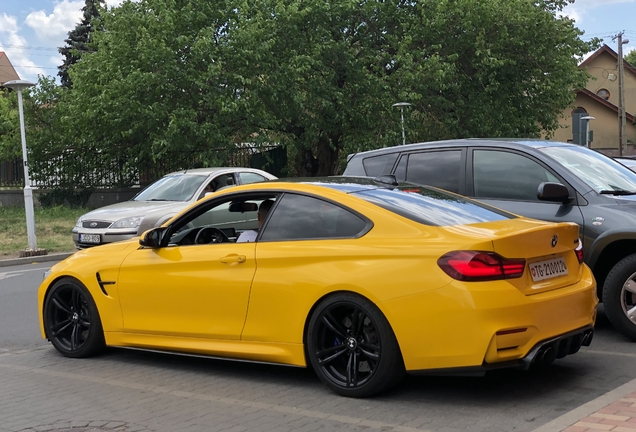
[(622, 121)]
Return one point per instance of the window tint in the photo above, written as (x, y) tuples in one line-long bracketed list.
[(436, 168), (378, 165), (504, 175), (301, 217), (248, 177), (432, 207)]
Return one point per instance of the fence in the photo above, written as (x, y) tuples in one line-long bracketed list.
[(60, 171)]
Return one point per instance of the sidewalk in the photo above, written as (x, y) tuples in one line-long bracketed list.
[(56, 256), (614, 411)]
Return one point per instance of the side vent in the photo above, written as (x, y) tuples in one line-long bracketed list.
[(102, 284)]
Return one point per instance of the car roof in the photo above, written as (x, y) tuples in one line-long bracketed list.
[(473, 142), (211, 170)]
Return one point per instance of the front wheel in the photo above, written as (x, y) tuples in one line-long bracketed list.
[(352, 347), (71, 320), (619, 296)]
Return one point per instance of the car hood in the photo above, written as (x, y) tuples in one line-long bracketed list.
[(122, 210)]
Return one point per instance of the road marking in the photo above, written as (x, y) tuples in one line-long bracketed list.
[(7, 275), (219, 399)]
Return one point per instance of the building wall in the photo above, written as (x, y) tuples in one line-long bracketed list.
[(605, 125), (603, 69)]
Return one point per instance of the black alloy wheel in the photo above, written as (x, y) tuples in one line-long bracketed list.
[(71, 320), (352, 348)]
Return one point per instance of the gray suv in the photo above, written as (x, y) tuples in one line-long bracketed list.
[(539, 179)]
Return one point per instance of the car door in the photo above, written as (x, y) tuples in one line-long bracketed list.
[(305, 243), (509, 179), (186, 289)]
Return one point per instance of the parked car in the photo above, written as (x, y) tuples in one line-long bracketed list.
[(157, 203), (362, 281), (539, 179), (629, 162)]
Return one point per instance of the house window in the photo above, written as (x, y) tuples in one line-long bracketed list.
[(603, 94), (578, 110)]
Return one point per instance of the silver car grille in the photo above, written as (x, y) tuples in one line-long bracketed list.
[(96, 224)]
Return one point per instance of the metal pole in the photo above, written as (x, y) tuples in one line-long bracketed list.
[(403, 135), (401, 106), (622, 121), (28, 191)]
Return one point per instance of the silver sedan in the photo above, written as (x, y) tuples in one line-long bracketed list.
[(157, 203)]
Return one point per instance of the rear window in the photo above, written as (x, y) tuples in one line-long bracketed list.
[(432, 207), (378, 165)]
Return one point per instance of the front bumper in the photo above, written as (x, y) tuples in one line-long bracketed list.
[(105, 235)]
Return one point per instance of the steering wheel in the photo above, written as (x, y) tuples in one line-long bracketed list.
[(208, 235)]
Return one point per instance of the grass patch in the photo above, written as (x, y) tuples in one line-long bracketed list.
[(52, 229)]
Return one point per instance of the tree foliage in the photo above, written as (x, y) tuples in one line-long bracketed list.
[(169, 78), (78, 41), (631, 57), (10, 147)]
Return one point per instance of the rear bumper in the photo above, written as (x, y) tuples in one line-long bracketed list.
[(488, 324), (544, 352)]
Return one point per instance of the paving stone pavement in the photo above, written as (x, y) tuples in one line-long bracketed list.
[(129, 391)]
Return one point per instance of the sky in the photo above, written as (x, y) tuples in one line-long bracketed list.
[(31, 31)]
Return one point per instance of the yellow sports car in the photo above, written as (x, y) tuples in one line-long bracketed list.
[(362, 279)]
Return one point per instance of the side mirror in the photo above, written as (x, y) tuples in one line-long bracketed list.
[(152, 238), (553, 192)]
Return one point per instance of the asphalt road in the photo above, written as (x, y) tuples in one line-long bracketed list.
[(128, 390)]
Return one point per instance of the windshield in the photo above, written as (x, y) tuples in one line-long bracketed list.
[(172, 188), (601, 173)]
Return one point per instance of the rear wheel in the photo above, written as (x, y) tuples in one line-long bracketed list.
[(619, 296), (352, 347), (71, 320)]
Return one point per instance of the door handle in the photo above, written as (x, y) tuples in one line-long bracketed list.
[(233, 258)]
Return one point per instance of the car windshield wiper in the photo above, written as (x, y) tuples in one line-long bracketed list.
[(617, 192)]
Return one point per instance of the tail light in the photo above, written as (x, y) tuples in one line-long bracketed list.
[(579, 251), (480, 266)]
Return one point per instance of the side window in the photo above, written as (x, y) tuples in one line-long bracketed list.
[(378, 165), (299, 217), (248, 177), (504, 175), (435, 168)]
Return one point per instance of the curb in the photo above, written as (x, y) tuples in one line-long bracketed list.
[(570, 418), (35, 259)]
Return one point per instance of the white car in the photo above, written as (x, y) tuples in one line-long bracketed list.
[(157, 203)]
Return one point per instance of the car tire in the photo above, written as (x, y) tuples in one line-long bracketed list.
[(71, 320), (346, 329), (619, 296)]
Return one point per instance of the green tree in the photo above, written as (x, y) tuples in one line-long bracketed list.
[(79, 39), (10, 147), (631, 57), (169, 78), (328, 73)]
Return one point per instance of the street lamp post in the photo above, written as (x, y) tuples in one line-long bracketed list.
[(401, 105), (585, 129), (19, 85)]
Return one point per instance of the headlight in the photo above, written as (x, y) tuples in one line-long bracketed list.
[(130, 222), (78, 224), (47, 272)]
